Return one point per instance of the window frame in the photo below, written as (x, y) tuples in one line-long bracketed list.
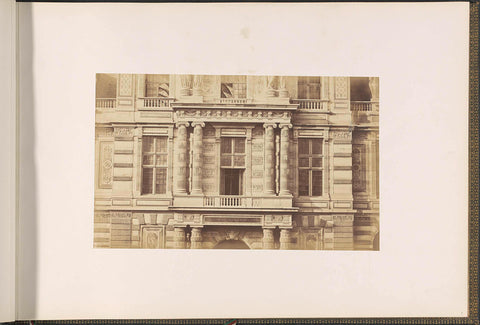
[(310, 168), (306, 82), (235, 83), (232, 154), (155, 82), (154, 166)]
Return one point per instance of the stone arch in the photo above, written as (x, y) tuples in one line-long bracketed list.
[(231, 244)]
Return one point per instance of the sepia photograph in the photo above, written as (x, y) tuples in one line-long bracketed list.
[(236, 162)]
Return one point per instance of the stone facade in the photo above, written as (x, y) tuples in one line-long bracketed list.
[(259, 162)]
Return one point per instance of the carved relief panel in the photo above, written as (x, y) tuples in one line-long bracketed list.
[(257, 160), (359, 168), (105, 165), (152, 237)]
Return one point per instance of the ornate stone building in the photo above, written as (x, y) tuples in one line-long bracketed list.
[(272, 162)]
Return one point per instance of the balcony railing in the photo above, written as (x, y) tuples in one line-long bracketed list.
[(311, 104), (234, 100), (155, 102), (240, 201), (226, 201), (363, 106), (106, 103)]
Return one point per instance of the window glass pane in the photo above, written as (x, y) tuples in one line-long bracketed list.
[(303, 147), (161, 145), (163, 90), (317, 183), (303, 182), (147, 144), (226, 161), (147, 181), (161, 160), (239, 145), (317, 162), (226, 145), (148, 159), (303, 162), (240, 90), (239, 161), (161, 181), (314, 91), (227, 90), (317, 146)]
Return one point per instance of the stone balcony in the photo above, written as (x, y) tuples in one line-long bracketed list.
[(364, 112), (311, 105), (232, 202), (153, 103)]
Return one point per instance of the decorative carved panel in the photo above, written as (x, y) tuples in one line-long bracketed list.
[(358, 168), (106, 165), (341, 88), (152, 237), (123, 132), (125, 85)]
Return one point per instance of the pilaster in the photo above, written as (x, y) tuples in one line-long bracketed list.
[(269, 158), (268, 242), (285, 239), (196, 239), (197, 158), (179, 238), (284, 152), (180, 184)]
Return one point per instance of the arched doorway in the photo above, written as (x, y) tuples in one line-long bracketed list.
[(231, 244)]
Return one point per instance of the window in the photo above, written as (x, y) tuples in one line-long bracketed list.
[(310, 167), (157, 85), (154, 165), (232, 164), (231, 181), (360, 89), (106, 86), (234, 87), (309, 88)]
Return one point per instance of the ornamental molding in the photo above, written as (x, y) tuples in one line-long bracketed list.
[(278, 220), (123, 131), (238, 115)]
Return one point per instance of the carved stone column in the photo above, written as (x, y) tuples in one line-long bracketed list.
[(268, 242), (179, 237), (373, 84), (284, 148), (282, 87), (285, 239), (180, 167), (270, 91), (197, 85), (197, 157), (269, 158), (186, 83), (196, 239)]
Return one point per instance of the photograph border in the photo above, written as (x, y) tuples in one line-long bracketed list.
[(473, 241)]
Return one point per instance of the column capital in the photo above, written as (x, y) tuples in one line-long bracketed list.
[(269, 124), (201, 124), (285, 125), (182, 123)]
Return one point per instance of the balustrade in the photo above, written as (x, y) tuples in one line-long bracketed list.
[(156, 102), (311, 104), (361, 106), (106, 102)]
